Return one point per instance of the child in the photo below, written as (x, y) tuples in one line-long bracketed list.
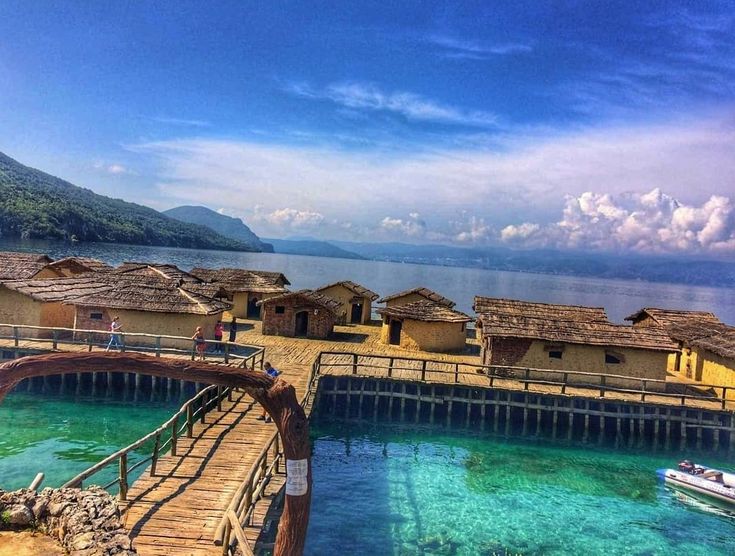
[(273, 373)]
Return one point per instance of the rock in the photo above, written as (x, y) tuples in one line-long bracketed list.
[(56, 508), (82, 541), (19, 515), (40, 508)]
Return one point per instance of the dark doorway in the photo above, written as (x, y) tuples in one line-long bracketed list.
[(253, 309), (302, 323), (356, 317), (395, 332)]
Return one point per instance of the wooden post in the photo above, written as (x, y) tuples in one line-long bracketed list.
[(123, 477), (154, 457), (189, 421), (55, 343), (390, 368), (564, 383), (174, 434), (219, 398), (643, 392), (227, 352), (456, 373), (354, 364), (602, 386), (423, 371), (526, 374), (16, 336), (158, 346), (205, 404)]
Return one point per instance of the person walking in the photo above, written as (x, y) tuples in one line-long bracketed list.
[(115, 329), (219, 330), (233, 329), (200, 344), (273, 373)]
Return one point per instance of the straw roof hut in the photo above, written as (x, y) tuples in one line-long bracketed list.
[(356, 301), (74, 266), (416, 294), (667, 318), (304, 313), (155, 270), (245, 288), (22, 266), (424, 326), (568, 337)]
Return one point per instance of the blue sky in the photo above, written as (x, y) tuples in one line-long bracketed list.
[(596, 125)]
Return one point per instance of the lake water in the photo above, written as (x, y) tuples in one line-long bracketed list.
[(386, 490), (619, 297)]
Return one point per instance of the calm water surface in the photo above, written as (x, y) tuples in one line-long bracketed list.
[(619, 297), (391, 491)]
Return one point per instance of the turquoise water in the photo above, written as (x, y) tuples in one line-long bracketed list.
[(64, 433), (389, 491)]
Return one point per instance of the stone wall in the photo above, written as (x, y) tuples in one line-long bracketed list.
[(321, 321), (85, 522)]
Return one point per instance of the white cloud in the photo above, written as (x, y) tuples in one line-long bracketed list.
[(412, 106), (412, 227), (290, 219), (652, 222), (181, 122), (117, 169), (474, 50)]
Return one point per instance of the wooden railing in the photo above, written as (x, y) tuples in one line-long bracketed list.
[(155, 344), (230, 533), (182, 422), (518, 378)]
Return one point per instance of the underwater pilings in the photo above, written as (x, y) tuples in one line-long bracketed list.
[(510, 412)]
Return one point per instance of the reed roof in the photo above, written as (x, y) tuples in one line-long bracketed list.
[(155, 270), (242, 280), (307, 296), (160, 296), (20, 266), (426, 311), (575, 332), (355, 288), (81, 264), (514, 307), (423, 292), (55, 290), (674, 318), (722, 343)]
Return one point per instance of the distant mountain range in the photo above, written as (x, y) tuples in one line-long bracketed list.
[(36, 205), (233, 228), (311, 247)]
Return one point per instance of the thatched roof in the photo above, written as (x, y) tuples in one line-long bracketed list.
[(514, 307), (423, 292), (153, 295), (241, 280), (305, 296), (357, 289), (20, 266), (56, 290), (673, 318), (155, 270), (426, 311), (575, 332), (712, 336), (722, 343), (80, 265)]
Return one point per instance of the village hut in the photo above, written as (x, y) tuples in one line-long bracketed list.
[(356, 301), (424, 326), (416, 294), (568, 338), (152, 306), (24, 266), (683, 361), (154, 271), (303, 313), (75, 266), (245, 288), (43, 302)]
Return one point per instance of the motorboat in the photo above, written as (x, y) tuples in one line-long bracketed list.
[(703, 482)]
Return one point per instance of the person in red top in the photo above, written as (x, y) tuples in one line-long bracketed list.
[(219, 330)]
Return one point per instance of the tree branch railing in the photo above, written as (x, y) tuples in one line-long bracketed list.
[(519, 378), (139, 342), (181, 423)]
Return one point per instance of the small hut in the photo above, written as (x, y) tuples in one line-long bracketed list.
[(75, 266), (24, 266), (416, 294), (42, 302), (245, 288), (567, 337), (154, 271), (424, 326), (356, 301), (304, 313)]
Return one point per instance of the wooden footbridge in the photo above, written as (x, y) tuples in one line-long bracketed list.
[(214, 469)]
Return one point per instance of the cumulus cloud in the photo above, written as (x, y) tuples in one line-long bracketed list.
[(289, 218), (477, 232), (411, 227), (652, 222), (412, 106)]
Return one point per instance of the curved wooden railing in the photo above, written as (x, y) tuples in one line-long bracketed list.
[(435, 371), (230, 533), (156, 344), (181, 422)]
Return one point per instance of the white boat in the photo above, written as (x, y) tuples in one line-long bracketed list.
[(712, 484)]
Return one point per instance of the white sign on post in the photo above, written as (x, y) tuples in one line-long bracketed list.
[(296, 473)]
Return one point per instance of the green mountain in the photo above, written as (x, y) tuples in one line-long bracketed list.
[(234, 228), (312, 248), (36, 205)]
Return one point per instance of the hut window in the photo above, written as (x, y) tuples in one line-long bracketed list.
[(555, 353), (280, 309), (613, 358), (95, 316)]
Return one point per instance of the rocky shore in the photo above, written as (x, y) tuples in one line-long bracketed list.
[(85, 522)]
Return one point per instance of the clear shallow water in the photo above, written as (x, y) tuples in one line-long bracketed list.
[(386, 491), (619, 297), (62, 434)]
